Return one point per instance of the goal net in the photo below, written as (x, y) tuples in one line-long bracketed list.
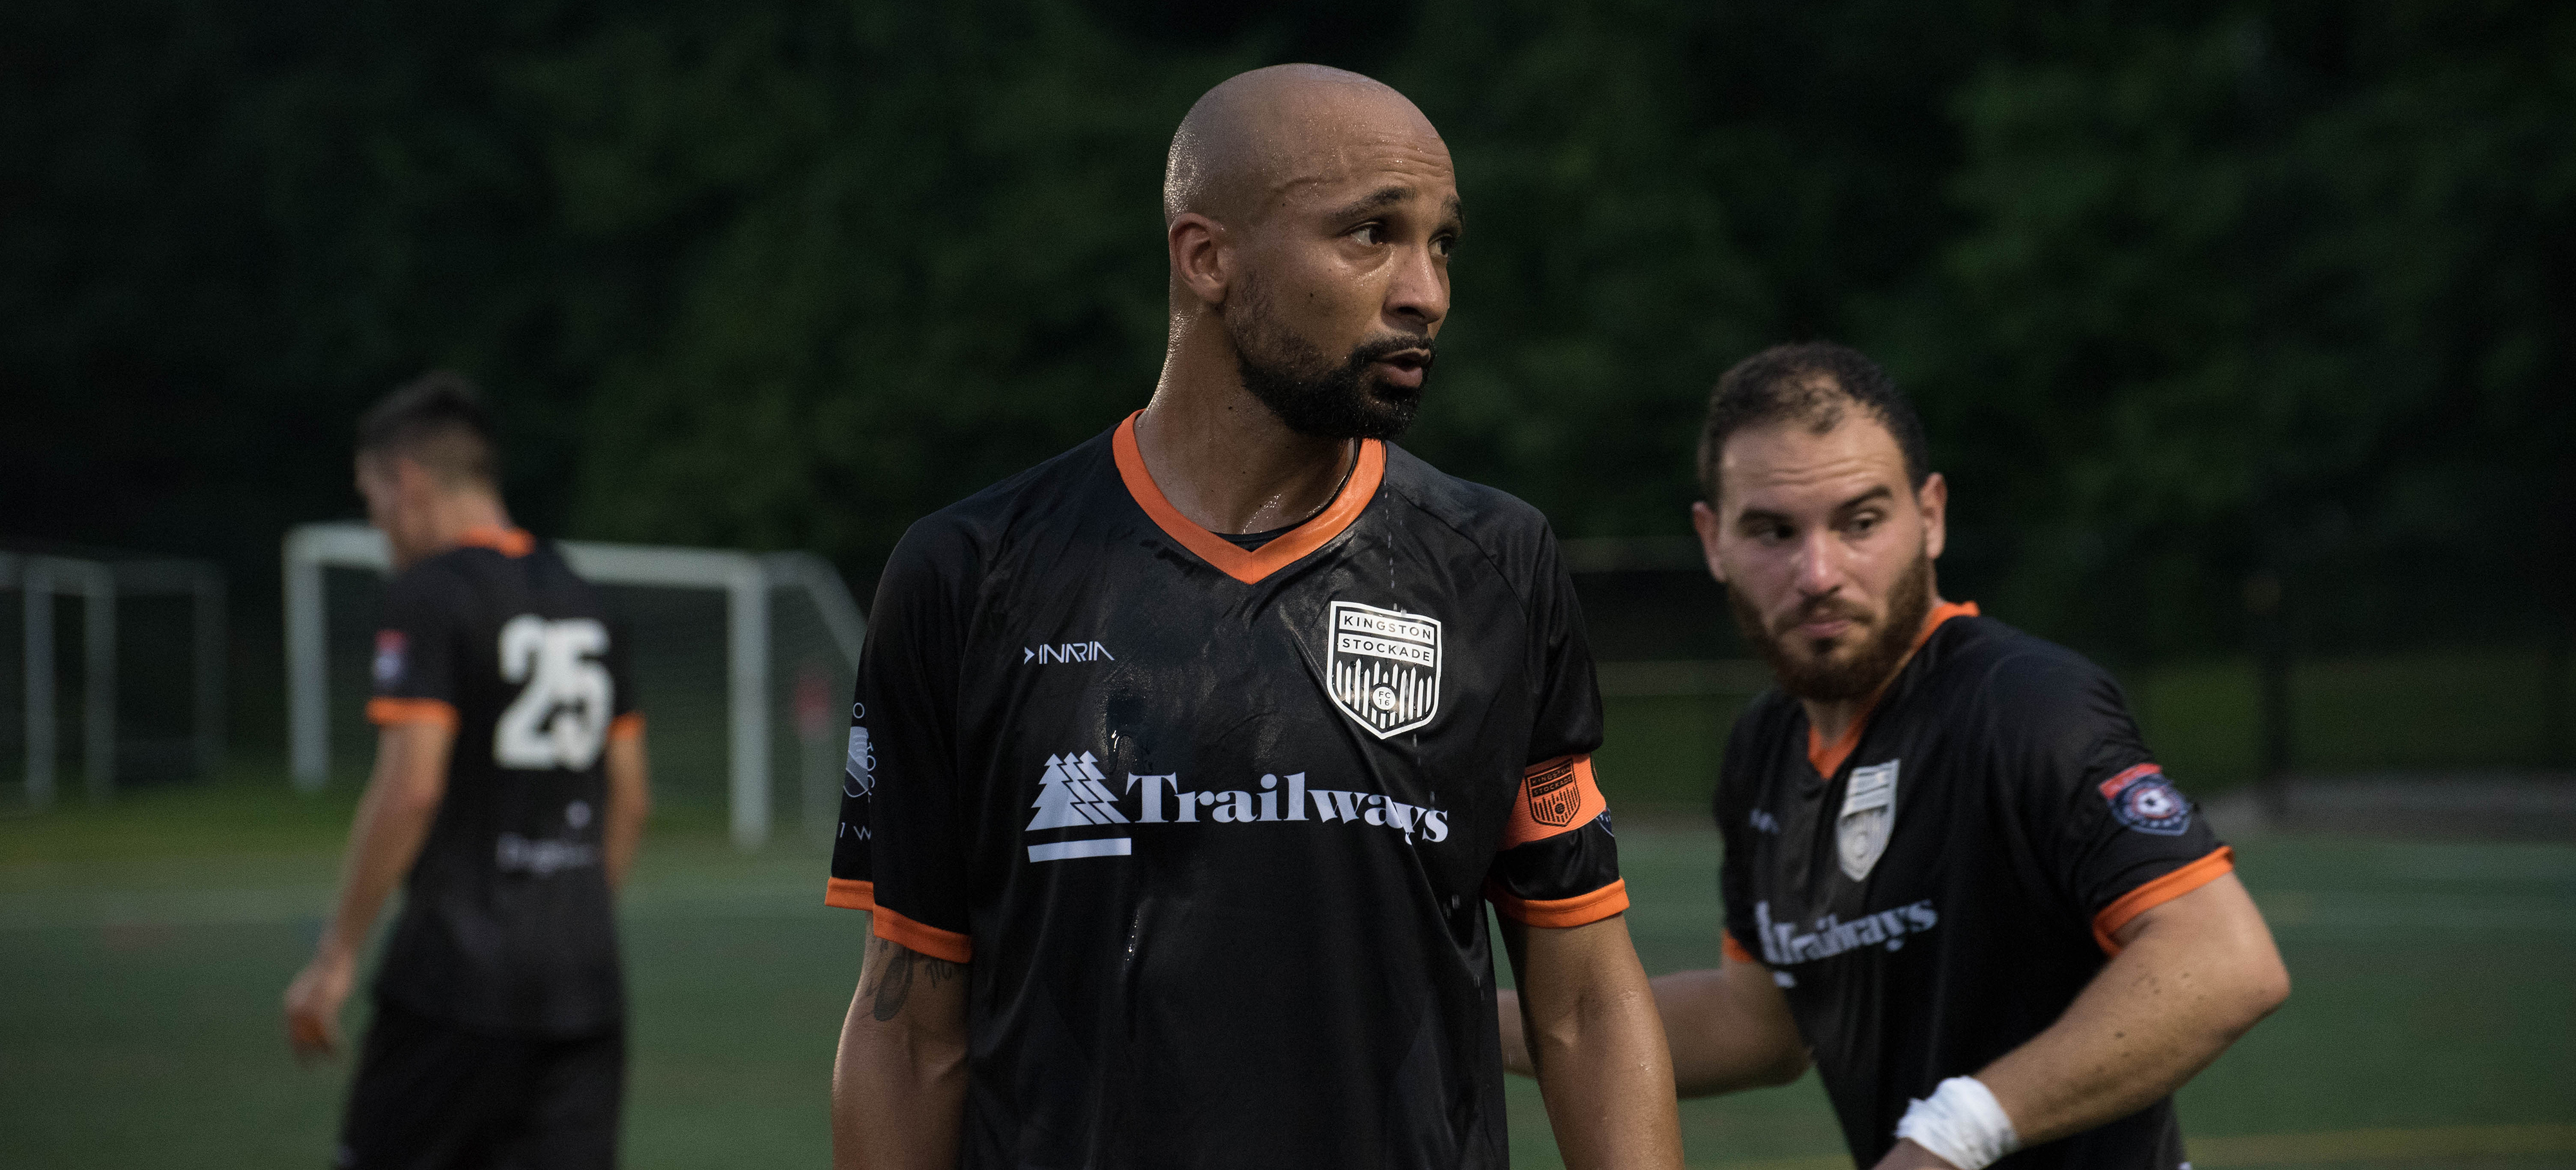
[(743, 667)]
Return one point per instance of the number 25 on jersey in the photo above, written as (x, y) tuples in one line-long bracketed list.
[(560, 718)]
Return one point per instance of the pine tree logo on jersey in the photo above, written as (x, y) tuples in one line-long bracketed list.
[(1070, 796), (1868, 819), (1382, 667)]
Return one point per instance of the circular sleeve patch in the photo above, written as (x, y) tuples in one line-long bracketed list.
[(2143, 799)]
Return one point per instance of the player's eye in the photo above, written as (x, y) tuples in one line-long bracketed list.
[(1371, 234), (1441, 245)]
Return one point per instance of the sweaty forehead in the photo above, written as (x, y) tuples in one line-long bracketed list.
[(1787, 467), (1296, 132)]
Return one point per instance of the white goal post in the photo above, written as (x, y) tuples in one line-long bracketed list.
[(746, 580)]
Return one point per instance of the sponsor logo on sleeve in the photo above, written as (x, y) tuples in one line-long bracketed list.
[(859, 774), (1382, 667), (1868, 819), (390, 645), (2143, 799)]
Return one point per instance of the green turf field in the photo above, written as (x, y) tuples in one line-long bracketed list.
[(143, 949)]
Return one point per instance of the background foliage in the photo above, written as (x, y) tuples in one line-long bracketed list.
[(2190, 292)]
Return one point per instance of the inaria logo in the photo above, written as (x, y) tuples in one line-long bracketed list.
[(1073, 793), (1067, 652)]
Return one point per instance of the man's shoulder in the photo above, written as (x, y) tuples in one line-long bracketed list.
[(1768, 719), (448, 580), (970, 531), (2026, 685), (1506, 527)]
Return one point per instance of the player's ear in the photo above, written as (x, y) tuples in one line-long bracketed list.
[(1199, 262), (1933, 500), (1704, 521)]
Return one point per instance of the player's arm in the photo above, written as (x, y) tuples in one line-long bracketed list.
[(2192, 975), (899, 1083), (1728, 1029), (630, 799), (393, 819), (1595, 1043)]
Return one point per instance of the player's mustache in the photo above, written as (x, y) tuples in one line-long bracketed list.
[(1822, 607), (1380, 349)]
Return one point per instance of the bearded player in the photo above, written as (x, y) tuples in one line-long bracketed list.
[(508, 798), (1954, 873), (1184, 765)]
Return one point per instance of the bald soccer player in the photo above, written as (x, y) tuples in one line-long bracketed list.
[(1184, 765), (1955, 877)]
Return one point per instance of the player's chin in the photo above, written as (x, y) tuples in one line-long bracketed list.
[(1386, 410)]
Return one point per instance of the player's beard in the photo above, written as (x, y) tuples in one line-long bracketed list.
[(1311, 393), (1818, 677)]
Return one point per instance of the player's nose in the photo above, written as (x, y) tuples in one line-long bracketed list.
[(1819, 570), (1417, 299)]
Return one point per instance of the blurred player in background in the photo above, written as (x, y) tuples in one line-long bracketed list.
[(508, 797), (1953, 871), (1185, 764)]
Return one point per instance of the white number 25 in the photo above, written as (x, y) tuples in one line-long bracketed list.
[(560, 718)]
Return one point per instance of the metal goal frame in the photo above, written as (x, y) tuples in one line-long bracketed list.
[(746, 579)]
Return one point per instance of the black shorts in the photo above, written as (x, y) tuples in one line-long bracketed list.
[(433, 1096)]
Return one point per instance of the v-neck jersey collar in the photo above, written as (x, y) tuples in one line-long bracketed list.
[(1826, 758), (1249, 566)]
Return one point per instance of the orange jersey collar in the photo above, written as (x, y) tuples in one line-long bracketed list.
[(1827, 758)]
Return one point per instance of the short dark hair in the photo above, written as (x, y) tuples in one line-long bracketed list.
[(1809, 383), (439, 420)]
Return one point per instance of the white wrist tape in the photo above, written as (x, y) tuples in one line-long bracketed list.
[(1962, 1122)]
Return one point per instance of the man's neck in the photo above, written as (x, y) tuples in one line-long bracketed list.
[(445, 519), (1223, 459)]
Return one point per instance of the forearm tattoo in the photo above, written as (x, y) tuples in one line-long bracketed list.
[(886, 978)]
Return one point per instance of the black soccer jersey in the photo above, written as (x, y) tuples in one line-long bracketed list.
[(505, 923), (1216, 827), (1936, 888)]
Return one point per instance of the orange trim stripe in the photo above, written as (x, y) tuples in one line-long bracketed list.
[(1248, 565), (2111, 787), (387, 711), (1735, 952), (893, 927), (627, 726), (850, 895), (509, 542), (1829, 759), (1559, 913), (2210, 868), (1564, 815)]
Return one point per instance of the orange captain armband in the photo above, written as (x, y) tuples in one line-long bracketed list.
[(627, 726), (1735, 951), (1558, 796)]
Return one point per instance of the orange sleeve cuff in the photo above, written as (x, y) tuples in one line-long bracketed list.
[(385, 711), (1558, 796), (2182, 881), (627, 726), (929, 940), (1735, 952), (850, 895), (1559, 913)]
